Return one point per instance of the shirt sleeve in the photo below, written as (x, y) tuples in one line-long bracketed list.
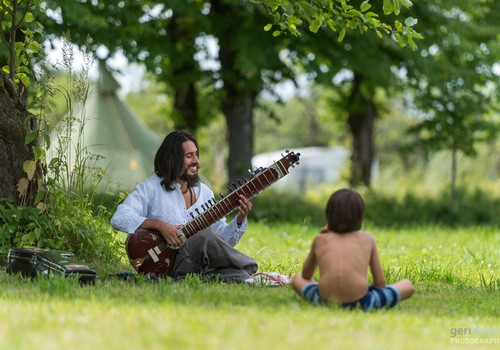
[(132, 212), (230, 232)]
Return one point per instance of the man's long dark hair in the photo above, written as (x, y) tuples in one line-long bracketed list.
[(169, 159)]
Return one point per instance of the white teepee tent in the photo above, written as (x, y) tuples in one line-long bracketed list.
[(111, 130)]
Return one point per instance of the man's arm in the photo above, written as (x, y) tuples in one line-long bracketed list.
[(243, 209), (233, 231)]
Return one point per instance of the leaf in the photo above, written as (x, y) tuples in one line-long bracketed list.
[(34, 47), (30, 137), (46, 138), (410, 21), (28, 17), (341, 35), (268, 27), (400, 40), (24, 79), (314, 26), (406, 3), (417, 35), (38, 233), (38, 152), (41, 206), (277, 18), (332, 24), (22, 187), (398, 25), (29, 168), (365, 6)]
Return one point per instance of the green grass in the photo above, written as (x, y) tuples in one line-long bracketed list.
[(455, 272)]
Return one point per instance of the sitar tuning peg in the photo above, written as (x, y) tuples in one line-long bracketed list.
[(221, 195)]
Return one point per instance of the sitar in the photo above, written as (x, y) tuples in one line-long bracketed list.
[(149, 253)]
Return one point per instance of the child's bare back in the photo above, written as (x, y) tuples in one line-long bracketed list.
[(343, 255), (343, 260)]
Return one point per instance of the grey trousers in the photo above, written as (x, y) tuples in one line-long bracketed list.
[(207, 253)]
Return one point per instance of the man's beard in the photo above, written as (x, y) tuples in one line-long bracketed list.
[(190, 179)]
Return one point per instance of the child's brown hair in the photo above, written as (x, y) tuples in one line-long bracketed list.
[(345, 211)]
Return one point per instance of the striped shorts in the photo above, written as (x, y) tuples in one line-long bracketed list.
[(376, 298)]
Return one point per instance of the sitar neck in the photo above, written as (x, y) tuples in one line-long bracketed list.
[(217, 210)]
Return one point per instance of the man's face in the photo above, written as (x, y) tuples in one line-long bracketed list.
[(191, 161)]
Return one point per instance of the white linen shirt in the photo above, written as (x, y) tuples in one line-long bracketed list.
[(150, 200)]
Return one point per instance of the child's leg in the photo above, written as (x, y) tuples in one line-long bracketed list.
[(405, 288), (298, 282)]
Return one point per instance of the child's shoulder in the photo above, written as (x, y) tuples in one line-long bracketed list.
[(366, 234), (367, 237)]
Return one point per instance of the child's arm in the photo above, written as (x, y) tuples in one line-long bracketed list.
[(376, 268), (309, 264)]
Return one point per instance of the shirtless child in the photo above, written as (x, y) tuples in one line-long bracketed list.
[(343, 254)]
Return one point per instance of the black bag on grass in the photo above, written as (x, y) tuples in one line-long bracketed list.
[(33, 262)]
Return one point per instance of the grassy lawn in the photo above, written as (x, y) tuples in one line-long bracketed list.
[(455, 272)]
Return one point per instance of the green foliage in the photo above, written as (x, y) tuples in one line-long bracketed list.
[(274, 206), (21, 226), (453, 79), (21, 35), (301, 121), (63, 225), (66, 216), (340, 17), (474, 207)]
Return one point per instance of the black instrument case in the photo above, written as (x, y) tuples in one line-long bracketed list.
[(33, 262)]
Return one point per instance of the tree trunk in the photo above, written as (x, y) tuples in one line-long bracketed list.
[(185, 98), (239, 119), (239, 98), (186, 105), (362, 113), (13, 151)]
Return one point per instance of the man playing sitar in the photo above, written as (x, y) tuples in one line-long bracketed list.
[(175, 225), (158, 207)]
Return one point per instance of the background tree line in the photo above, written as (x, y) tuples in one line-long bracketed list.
[(449, 74)]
